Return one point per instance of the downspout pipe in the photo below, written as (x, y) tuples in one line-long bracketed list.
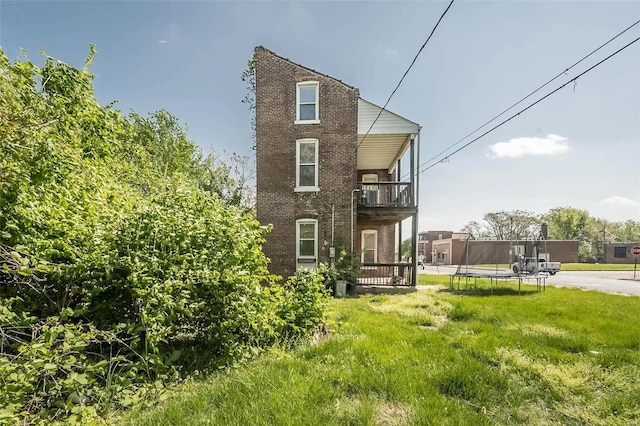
[(352, 230)]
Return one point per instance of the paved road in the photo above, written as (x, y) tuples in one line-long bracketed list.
[(617, 282)]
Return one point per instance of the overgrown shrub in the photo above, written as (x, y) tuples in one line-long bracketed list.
[(301, 306), (120, 268)]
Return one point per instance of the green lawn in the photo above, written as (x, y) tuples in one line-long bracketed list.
[(563, 356), (596, 267), (429, 279)]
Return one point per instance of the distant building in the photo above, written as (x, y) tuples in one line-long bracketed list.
[(425, 241), (452, 251), (620, 253)]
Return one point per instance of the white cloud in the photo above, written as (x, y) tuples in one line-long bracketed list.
[(519, 147), (162, 41), (617, 200)]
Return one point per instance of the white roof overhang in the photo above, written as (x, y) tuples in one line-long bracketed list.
[(387, 141)]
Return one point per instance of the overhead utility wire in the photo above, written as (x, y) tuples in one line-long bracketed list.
[(573, 80), (405, 73), (528, 96)]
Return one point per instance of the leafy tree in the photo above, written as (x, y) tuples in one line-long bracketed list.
[(476, 229), (165, 139), (249, 78), (165, 143), (566, 223), (230, 180), (506, 225), (406, 248), (627, 231)]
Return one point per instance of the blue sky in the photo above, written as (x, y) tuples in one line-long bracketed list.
[(578, 148)]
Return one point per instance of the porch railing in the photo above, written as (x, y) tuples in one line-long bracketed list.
[(394, 274), (385, 194)]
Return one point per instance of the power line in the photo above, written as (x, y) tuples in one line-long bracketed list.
[(529, 95), (405, 73), (573, 80)]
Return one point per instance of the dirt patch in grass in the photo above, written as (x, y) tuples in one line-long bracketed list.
[(392, 414), (535, 330), (348, 408), (420, 308)]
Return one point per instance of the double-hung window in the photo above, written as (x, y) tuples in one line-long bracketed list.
[(369, 246), (306, 165), (307, 111), (306, 243)]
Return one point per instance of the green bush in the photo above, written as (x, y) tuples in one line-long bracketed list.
[(120, 268), (302, 305)]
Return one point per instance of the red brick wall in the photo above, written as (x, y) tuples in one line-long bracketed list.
[(386, 239), (276, 136)]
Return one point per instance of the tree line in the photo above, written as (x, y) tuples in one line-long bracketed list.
[(563, 223)]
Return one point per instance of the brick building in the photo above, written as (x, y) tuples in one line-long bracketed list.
[(426, 239), (620, 253), (321, 183), (457, 251)]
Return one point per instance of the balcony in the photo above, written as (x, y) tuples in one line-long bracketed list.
[(390, 201)]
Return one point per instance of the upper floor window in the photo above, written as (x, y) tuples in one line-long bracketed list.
[(307, 165), (307, 103)]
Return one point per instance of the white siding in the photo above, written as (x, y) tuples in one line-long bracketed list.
[(388, 123)]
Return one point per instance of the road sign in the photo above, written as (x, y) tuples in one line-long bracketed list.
[(635, 250)]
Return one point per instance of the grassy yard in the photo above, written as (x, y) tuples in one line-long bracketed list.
[(436, 358), (596, 267)]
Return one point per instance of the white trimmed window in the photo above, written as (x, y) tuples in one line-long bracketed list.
[(307, 95), (369, 246), (369, 190), (306, 243), (307, 165)]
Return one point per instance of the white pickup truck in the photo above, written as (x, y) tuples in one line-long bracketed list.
[(528, 266)]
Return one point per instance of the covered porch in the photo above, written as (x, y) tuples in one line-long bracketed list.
[(387, 188)]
